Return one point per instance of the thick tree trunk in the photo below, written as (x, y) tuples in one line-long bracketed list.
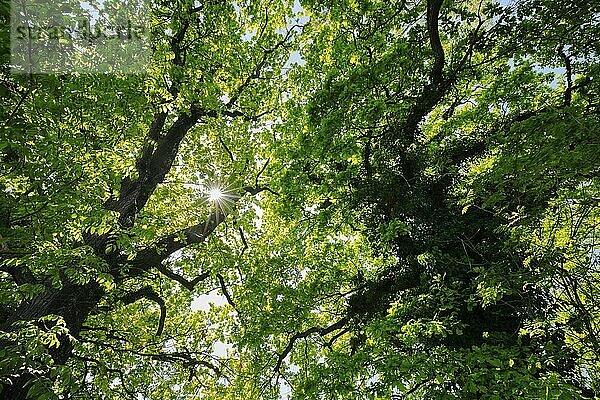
[(73, 303)]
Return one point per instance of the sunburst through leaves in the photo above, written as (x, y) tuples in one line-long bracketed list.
[(221, 197)]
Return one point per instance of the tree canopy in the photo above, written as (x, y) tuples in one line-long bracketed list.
[(356, 199)]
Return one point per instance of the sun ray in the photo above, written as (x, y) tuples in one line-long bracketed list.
[(221, 197)]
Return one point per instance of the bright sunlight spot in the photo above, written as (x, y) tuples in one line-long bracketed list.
[(220, 196), (215, 195)]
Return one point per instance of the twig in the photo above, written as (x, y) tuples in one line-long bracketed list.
[(225, 292)]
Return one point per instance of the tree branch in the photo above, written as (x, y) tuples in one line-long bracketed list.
[(153, 256), (261, 171), (255, 74), (156, 160), (191, 235), (187, 358), (157, 125), (198, 233), (189, 285), (231, 157), (152, 167), (433, 14), (568, 77), (438, 86), (243, 238), (148, 293), (301, 335), (108, 369), (225, 292)]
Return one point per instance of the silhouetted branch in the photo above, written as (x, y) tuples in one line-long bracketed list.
[(189, 285), (225, 292), (148, 293), (301, 335)]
